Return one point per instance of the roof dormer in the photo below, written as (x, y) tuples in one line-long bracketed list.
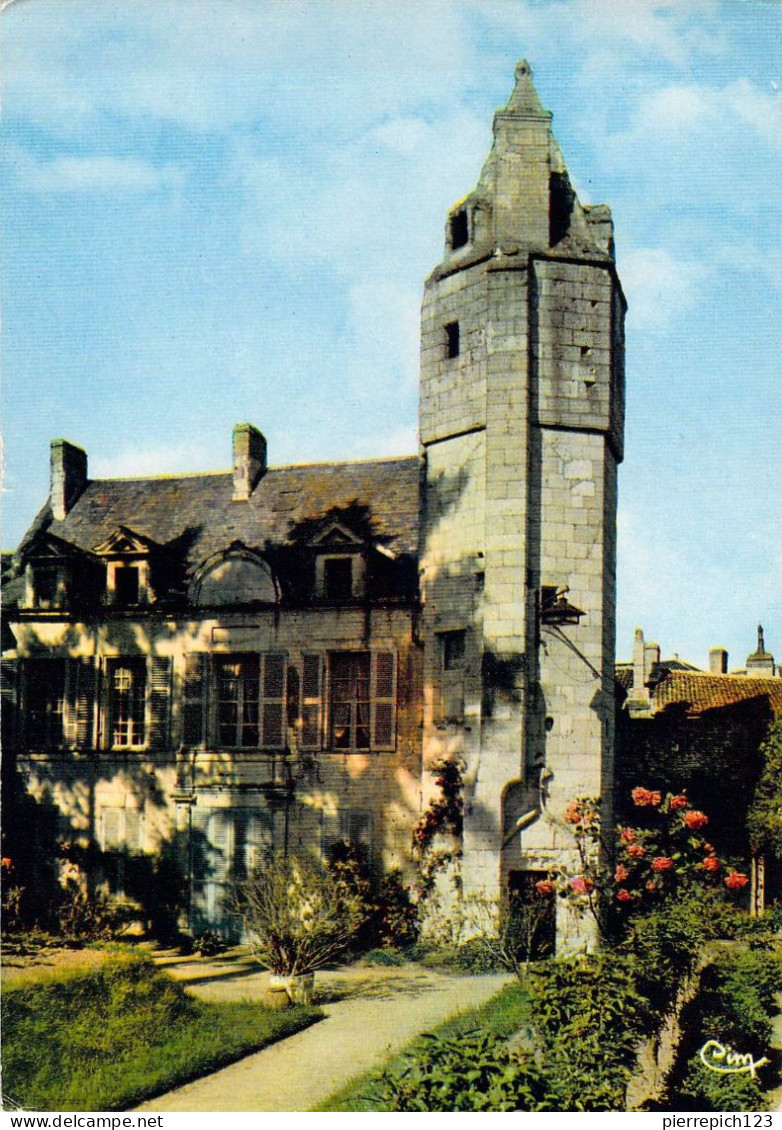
[(127, 556)]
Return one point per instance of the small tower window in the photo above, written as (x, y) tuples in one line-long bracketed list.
[(460, 230), (453, 650), (452, 339)]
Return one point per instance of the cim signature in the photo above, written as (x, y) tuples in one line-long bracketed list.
[(727, 1061)]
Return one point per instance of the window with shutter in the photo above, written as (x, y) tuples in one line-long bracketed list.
[(127, 688), (194, 692), (362, 700), (45, 703), (159, 701), (311, 702)]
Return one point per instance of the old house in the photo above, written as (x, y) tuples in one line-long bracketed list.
[(213, 665), (681, 728)]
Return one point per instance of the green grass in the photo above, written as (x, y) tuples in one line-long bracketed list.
[(503, 1015), (108, 1038)]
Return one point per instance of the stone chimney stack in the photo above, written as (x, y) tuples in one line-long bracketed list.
[(249, 460), (718, 661), (68, 476), (639, 692)]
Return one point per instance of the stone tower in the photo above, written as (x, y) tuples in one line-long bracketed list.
[(521, 423)]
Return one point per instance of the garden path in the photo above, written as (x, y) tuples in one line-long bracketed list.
[(371, 1012)]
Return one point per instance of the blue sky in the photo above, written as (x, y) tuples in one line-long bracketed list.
[(224, 210)]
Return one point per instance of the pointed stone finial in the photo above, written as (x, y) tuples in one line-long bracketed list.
[(761, 642), (524, 99)]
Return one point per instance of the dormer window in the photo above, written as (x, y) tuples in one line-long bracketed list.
[(126, 584), (127, 557), (338, 578)]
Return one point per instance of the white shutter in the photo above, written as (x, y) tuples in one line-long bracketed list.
[(311, 702), (194, 695), (159, 701), (273, 676)]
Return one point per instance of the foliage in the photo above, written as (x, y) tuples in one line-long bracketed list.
[(108, 1038), (473, 1072), (83, 916), (445, 814), (395, 914), (764, 820), (208, 944), (735, 1004), (590, 1016), (388, 957), (298, 916)]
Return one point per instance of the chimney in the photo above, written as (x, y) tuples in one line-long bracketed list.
[(68, 476), (761, 662), (639, 692), (718, 661), (249, 460), (651, 659)]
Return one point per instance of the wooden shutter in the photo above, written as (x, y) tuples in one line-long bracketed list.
[(132, 836), (383, 695), (9, 700), (159, 672), (85, 690), (112, 830), (311, 702), (194, 693), (273, 701)]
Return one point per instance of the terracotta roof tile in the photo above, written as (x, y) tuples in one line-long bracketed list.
[(701, 692)]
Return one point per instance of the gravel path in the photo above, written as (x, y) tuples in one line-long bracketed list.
[(370, 1014)]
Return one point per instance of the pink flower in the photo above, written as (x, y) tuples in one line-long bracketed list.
[(636, 851), (695, 819), (627, 835), (545, 887), (734, 881), (678, 802), (581, 885), (711, 863), (623, 894), (621, 874), (662, 863)]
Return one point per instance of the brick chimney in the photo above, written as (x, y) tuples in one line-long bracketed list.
[(249, 460), (68, 476), (718, 661)]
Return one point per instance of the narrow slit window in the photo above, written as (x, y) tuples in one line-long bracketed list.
[(452, 339)]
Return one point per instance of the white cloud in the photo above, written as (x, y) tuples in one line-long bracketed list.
[(93, 174), (138, 463), (659, 287)]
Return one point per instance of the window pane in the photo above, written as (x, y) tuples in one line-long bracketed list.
[(128, 703), (45, 699)]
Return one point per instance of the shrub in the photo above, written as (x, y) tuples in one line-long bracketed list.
[(297, 915), (591, 1018), (473, 1072)]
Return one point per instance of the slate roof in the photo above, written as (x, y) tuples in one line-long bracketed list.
[(196, 514), (700, 691)]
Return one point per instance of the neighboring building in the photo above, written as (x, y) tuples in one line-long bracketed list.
[(218, 664), (685, 729)]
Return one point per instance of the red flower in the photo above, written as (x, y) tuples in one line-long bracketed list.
[(643, 798), (623, 894), (695, 819), (708, 848), (7, 862), (636, 851), (581, 885), (628, 835), (662, 863), (711, 863), (621, 874), (678, 802), (545, 887), (652, 886), (573, 813), (735, 880)]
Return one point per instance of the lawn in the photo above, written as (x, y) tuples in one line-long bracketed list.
[(107, 1038), (504, 1014)]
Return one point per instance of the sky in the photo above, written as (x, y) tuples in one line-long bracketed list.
[(217, 211)]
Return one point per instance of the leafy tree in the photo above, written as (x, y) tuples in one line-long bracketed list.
[(764, 821)]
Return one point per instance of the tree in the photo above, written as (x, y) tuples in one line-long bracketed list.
[(764, 820)]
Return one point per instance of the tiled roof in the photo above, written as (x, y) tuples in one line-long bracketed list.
[(701, 692), (196, 515)]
